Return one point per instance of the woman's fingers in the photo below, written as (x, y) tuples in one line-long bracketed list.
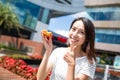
[(69, 59), (47, 42)]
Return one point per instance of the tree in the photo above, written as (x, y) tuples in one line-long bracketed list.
[(8, 18)]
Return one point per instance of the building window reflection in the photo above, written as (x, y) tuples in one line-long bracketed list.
[(104, 13), (27, 12), (108, 36), (44, 15)]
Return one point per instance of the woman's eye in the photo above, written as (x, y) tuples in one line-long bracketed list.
[(73, 29), (81, 32)]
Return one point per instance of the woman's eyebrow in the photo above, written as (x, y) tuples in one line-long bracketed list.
[(81, 29), (75, 27), (78, 28)]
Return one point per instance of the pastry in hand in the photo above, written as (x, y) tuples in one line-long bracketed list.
[(46, 33)]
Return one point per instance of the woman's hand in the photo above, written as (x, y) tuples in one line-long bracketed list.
[(70, 55), (45, 67), (70, 59), (47, 41)]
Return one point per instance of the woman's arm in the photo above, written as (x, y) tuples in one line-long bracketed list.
[(44, 68), (71, 66), (70, 73), (70, 59), (71, 69), (71, 76), (81, 77)]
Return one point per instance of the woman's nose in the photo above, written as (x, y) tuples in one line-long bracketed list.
[(75, 34)]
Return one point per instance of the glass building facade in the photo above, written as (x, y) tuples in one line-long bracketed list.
[(105, 13), (111, 36), (29, 13), (44, 15), (110, 13)]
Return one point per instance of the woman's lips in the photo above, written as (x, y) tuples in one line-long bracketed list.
[(73, 40)]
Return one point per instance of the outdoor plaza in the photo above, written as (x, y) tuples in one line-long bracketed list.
[(21, 46)]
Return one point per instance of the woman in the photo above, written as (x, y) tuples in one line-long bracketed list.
[(75, 62)]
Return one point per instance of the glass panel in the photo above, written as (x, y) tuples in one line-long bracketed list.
[(28, 20), (104, 13), (33, 22), (45, 15), (27, 12), (107, 38), (108, 35)]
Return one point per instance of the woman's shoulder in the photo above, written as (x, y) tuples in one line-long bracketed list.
[(85, 60), (59, 51), (60, 48)]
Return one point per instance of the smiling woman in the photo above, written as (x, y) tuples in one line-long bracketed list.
[(77, 61), (61, 24)]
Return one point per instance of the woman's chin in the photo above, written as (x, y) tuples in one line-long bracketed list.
[(73, 43)]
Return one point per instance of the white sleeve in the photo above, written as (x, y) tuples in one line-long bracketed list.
[(88, 69), (53, 56)]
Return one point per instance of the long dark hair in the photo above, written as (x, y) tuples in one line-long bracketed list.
[(88, 45)]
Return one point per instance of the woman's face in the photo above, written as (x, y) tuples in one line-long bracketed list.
[(77, 34)]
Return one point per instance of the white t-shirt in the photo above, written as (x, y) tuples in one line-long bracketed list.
[(60, 65)]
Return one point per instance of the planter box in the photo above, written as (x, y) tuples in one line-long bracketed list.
[(12, 51), (7, 75)]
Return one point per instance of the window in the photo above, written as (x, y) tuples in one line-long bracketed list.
[(104, 13)]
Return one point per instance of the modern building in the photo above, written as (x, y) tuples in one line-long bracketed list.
[(106, 15), (34, 15), (106, 18), (55, 8)]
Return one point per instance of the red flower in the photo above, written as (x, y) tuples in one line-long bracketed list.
[(23, 66), (10, 62), (21, 62), (30, 70), (19, 67)]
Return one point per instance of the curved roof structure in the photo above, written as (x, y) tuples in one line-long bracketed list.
[(70, 6)]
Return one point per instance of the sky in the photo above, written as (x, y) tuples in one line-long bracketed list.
[(61, 25)]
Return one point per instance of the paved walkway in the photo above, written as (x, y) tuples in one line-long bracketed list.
[(7, 75)]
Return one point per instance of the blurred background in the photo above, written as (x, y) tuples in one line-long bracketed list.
[(56, 16)]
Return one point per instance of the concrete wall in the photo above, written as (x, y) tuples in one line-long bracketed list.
[(32, 46), (101, 2), (36, 36), (107, 24), (75, 6), (107, 47)]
